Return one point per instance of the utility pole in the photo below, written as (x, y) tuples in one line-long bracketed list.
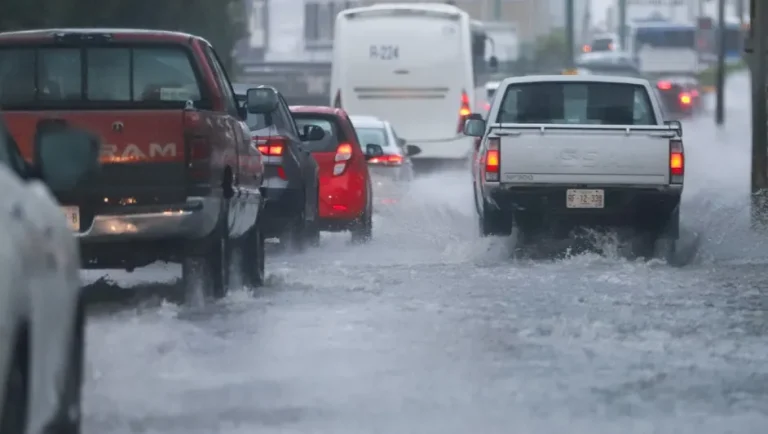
[(622, 9), (497, 10), (570, 32), (758, 18), (720, 78), (740, 11)]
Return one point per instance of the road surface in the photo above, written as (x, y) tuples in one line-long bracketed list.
[(430, 329)]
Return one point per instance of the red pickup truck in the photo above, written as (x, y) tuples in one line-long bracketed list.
[(180, 181)]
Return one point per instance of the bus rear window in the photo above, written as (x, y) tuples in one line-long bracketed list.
[(123, 75), (587, 103)]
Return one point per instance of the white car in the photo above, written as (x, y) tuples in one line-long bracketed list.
[(42, 317), (393, 170), (564, 152)]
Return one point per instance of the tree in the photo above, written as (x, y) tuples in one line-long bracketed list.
[(221, 22)]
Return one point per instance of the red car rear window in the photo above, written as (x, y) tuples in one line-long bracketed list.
[(334, 135)]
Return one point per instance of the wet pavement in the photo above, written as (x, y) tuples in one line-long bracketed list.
[(429, 329)]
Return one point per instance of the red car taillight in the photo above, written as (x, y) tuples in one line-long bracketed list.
[(342, 158)]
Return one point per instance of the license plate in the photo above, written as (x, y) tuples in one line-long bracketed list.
[(72, 214), (585, 199)]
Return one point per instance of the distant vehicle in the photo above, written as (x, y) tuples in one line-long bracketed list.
[(169, 188), (680, 94), (392, 172), (602, 67), (416, 65), (604, 157), (662, 48), (42, 314), (604, 42), (291, 176), (346, 191)]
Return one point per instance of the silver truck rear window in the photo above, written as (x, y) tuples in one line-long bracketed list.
[(588, 103)]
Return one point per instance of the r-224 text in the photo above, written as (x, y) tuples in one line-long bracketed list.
[(384, 52)]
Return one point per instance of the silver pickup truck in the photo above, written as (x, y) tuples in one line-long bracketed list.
[(558, 153)]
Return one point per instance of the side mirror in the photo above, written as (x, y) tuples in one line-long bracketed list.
[(261, 100), (675, 125), (401, 142), (493, 62), (474, 127), (373, 151), (312, 133), (65, 158), (412, 150)]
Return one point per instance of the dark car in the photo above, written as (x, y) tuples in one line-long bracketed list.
[(179, 181), (291, 175), (680, 95)]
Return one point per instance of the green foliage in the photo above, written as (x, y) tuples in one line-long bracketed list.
[(221, 22)]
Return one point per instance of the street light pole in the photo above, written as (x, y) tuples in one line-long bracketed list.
[(570, 33), (758, 18), (720, 78)]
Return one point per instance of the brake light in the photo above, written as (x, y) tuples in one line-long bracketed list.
[(464, 111), (492, 160), (272, 149), (586, 49), (337, 99), (342, 158), (685, 98), (664, 85), (676, 162), (387, 160)]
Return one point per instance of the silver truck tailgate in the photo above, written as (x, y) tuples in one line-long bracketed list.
[(578, 156)]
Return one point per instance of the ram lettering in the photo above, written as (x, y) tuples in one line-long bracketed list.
[(131, 152)]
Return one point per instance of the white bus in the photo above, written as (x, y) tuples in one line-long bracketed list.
[(416, 65)]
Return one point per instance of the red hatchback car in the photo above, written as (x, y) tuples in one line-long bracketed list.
[(346, 196)]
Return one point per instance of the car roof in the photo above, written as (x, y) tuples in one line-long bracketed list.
[(316, 109), (367, 122), (119, 33), (574, 78), (492, 85)]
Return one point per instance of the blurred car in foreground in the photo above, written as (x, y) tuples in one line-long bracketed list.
[(392, 172), (42, 315), (346, 192), (680, 95), (291, 176)]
